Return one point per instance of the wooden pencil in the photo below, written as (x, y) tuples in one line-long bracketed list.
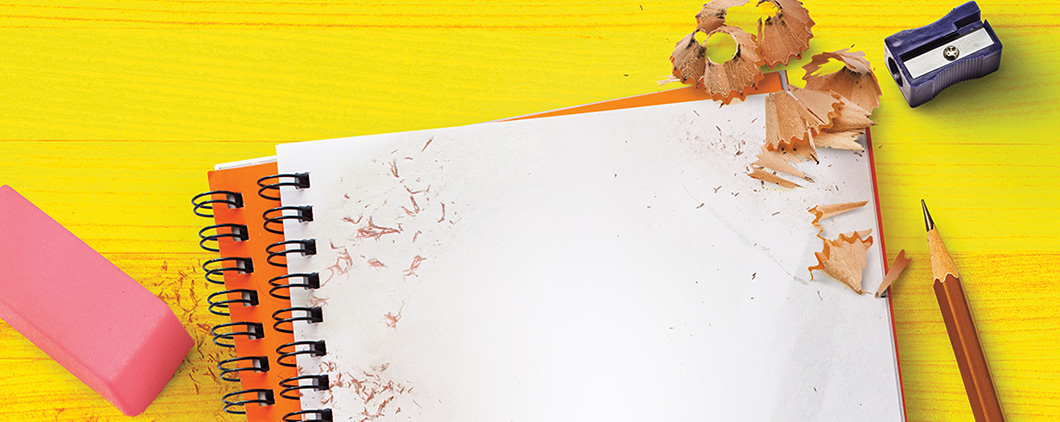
[(986, 406)]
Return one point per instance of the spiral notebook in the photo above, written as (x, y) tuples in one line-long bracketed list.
[(612, 265)]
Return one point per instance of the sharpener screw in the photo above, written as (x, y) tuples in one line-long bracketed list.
[(951, 53)]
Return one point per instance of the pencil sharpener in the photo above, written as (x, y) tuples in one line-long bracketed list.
[(926, 60)]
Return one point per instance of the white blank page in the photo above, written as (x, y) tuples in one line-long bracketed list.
[(613, 266)]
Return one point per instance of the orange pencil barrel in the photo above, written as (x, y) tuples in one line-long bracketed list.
[(986, 406), (971, 359)]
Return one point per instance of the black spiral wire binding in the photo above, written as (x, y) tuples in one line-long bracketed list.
[(265, 398), (230, 368), (289, 351), (283, 324), (274, 182), (274, 216), (235, 231), (219, 301), (284, 318), (206, 200), (235, 264), (319, 415), (280, 250), (292, 385), (252, 330), (311, 281)]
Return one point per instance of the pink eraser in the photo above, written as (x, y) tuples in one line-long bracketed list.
[(84, 312)]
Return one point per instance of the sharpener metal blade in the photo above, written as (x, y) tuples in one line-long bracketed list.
[(937, 59), (926, 60)]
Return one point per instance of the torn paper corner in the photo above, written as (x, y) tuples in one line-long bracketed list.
[(854, 80), (689, 60), (713, 14), (786, 34), (844, 258), (736, 77), (893, 272)]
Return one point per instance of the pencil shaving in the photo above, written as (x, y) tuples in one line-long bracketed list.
[(736, 77), (844, 258), (758, 173), (825, 106), (804, 150), (854, 80), (822, 212), (785, 35), (893, 272), (849, 116), (793, 118), (689, 60), (713, 14), (847, 140), (775, 160)]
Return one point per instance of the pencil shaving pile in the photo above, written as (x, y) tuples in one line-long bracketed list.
[(832, 111), (780, 38)]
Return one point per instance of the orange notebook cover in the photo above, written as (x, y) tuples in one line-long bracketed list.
[(240, 236)]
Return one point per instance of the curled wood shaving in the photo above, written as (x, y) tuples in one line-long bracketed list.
[(844, 258), (854, 81), (847, 140), (787, 121), (775, 160), (822, 104), (786, 34), (689, 60), (845, 129), (765, 176), (893, 272), (735, 77), (793, 118), (850, 116), (713, 14), (822, 212), (804, 150)]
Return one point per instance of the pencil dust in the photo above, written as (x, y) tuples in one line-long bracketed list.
[(379, 395)]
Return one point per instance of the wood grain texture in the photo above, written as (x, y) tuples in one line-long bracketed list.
[(112, 112)]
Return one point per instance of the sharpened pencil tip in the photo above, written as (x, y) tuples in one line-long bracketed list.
[(927, 217)]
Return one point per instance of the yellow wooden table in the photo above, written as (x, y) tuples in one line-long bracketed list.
[(112, 112)]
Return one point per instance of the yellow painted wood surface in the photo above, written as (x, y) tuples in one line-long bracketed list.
[(112, 112)]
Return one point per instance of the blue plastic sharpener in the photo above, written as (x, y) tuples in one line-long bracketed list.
[(958, 47)]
